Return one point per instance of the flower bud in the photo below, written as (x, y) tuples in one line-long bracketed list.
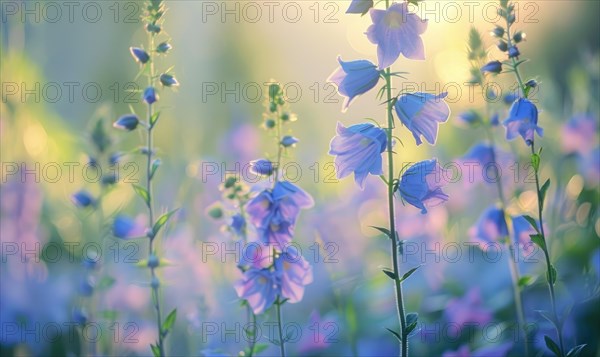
[(513, 52), (532, 83), (127, 122), (492, 67), (274, 90), (230, 182), (153, 261), (139, 55), (502, 46), (150, 95), (163, 47), (168, 80), (262, 167), (498, 31), (519, 36), (83, 199), (155, 283), (153, 28), (270, 123), (288, 141), (109, 179), (272, 107), (215, 211)]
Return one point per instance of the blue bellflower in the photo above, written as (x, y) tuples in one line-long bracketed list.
[(396, 31), (150, 96), (358, 149), (126, 228), (359, 7), (259, 287), (139, 55), (354, 78), (522, 120), (295, 273), (274, 212), (421, 185), (262, 167), (421, 113), (492, 67), (83, 199), (127, 122), (490, 227)]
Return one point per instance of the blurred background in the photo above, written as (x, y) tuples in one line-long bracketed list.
[(64, 68)]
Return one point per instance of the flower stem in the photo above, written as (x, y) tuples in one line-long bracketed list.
[(551, 273), (513, 267), (392, 216), (279, 326), (151, 250)]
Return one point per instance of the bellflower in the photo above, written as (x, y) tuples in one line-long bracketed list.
[(421, 113), (150, 95), (470, 117), (259, 287), (513, 52), (522, 120), (288, 141), (354, 78), (490, 227), (396, 31), (262, 167), (486, 158), (492, 67), (126, 228), (358, 149), (127, 122), (274, 212), (237, 224), (295, 273), (421, 186), (139, 55), (83, 199), (359, 7)]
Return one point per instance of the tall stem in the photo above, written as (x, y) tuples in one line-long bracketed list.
[(550, 269), (392, 216), (513, 267), (151, 250), (279, 325)]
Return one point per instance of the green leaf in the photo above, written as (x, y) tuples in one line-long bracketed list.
[(389, 273), (552, 346), (543, 191), (538, 240), (155, 165), (162, 220), (395, 334), (142, 193), (155, 350), (535, 161), (169, 321), (409, 273), (154, 119), (411, 322), (383, 230), (532, 221), (576, 351), (526, 280), (258, 348)]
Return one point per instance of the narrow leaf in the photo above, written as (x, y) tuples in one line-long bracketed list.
[(551, 275), (169, 321), (155, 350), (155, 165), (526, 280), (154, 119), (389, 273), (395, 334), (409, 273), (162, 220), (532, 221), (543, 191), (552, 346), (384, 231), (538, 240), (142, 193), (411, 322), (576, 351), (535, 162)]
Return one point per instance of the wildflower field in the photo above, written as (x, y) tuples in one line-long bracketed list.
[(300, 178)]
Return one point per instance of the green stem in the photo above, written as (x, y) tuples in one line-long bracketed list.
[(151, 250), (252, 343), (392, 216), (550, 274), (513, 267), (279, 326), (549, 266)]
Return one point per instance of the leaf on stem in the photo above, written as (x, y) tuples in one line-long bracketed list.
[(552, 346), (142, 193)]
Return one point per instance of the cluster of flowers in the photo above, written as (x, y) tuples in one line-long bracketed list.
[(276, 273), (358, 148)]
